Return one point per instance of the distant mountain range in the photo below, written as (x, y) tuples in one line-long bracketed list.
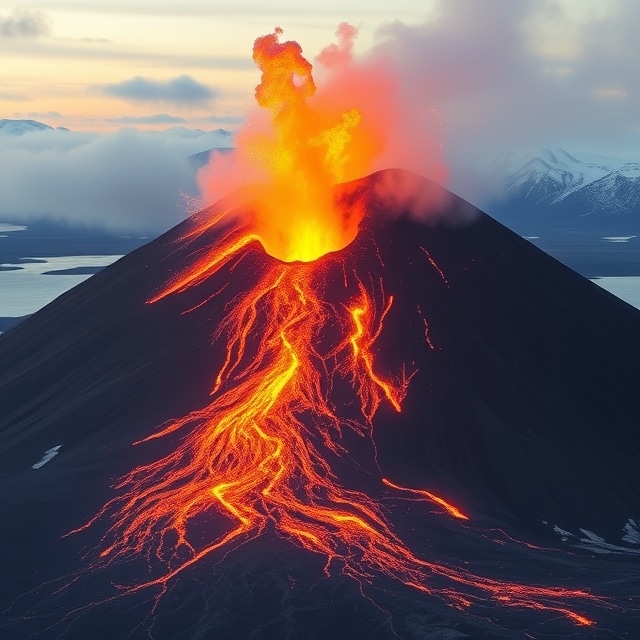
[(584, 209), (201, 159), (555, 190), (550, 190), (16, 128)]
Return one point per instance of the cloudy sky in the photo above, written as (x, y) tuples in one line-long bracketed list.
[(503, 75), (98, 64)]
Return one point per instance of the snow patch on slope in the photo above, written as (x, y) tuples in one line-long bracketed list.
[(587, 539), (49, 454)]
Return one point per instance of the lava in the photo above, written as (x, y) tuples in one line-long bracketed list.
[(260, 452), (449, 508), (263, 452), (300, 155), (254, 455)]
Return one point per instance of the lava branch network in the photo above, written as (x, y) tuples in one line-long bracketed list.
[(260, 452)]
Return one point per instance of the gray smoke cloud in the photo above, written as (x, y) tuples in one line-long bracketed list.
[(181, 90), (504, 75), (126, 181), (509, 76)]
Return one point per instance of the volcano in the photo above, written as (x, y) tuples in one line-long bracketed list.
[(471, 399)]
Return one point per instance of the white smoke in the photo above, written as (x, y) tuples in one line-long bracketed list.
[(125, 181)]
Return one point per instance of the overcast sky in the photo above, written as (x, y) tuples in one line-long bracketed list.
[(502, 75)]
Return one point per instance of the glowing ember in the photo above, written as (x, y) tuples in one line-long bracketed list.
[(262, 451), (449, 508)]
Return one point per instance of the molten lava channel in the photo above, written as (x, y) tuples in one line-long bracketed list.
[(259, 452)]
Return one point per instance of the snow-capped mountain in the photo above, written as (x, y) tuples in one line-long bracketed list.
[(551, 176), (20, 127), (577, 192), (618, 192)]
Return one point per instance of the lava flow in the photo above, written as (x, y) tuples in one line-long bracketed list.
[(298, 372)]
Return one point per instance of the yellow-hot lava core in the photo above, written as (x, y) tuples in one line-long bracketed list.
[(303, 158)]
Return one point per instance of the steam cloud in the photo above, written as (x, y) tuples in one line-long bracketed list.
[(359, 96), (127, 181), (518, 76)]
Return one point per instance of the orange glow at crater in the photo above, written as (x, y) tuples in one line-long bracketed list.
[(303, 158), (301, 154), (306, 136)]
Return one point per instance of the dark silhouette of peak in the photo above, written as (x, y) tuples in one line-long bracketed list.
[(521, 410)]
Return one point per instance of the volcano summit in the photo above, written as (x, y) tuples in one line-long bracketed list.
[(203, 441)]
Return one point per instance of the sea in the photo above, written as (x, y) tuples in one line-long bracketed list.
[(34, 282), (626, 288), (41, 261)]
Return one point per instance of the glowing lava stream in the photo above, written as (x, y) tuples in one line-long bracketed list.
[(254, 457)]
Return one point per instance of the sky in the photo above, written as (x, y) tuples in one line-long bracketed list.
[(141, 83), (96, 64)]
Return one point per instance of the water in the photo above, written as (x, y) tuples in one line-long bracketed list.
[(625, 287), (28, 288)]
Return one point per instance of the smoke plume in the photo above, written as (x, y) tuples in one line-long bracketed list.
[(348, 119)]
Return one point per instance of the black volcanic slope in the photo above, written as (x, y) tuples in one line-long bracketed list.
[(525, 414)]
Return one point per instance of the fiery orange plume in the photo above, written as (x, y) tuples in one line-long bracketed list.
[(306, 137), (300, 157), (303, 159)]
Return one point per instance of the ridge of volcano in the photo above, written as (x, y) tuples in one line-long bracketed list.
[(520, 409)]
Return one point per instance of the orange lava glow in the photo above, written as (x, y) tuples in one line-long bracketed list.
[(449, 508), (259, 454), (302, 155), (262, 452), (304, 137)]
